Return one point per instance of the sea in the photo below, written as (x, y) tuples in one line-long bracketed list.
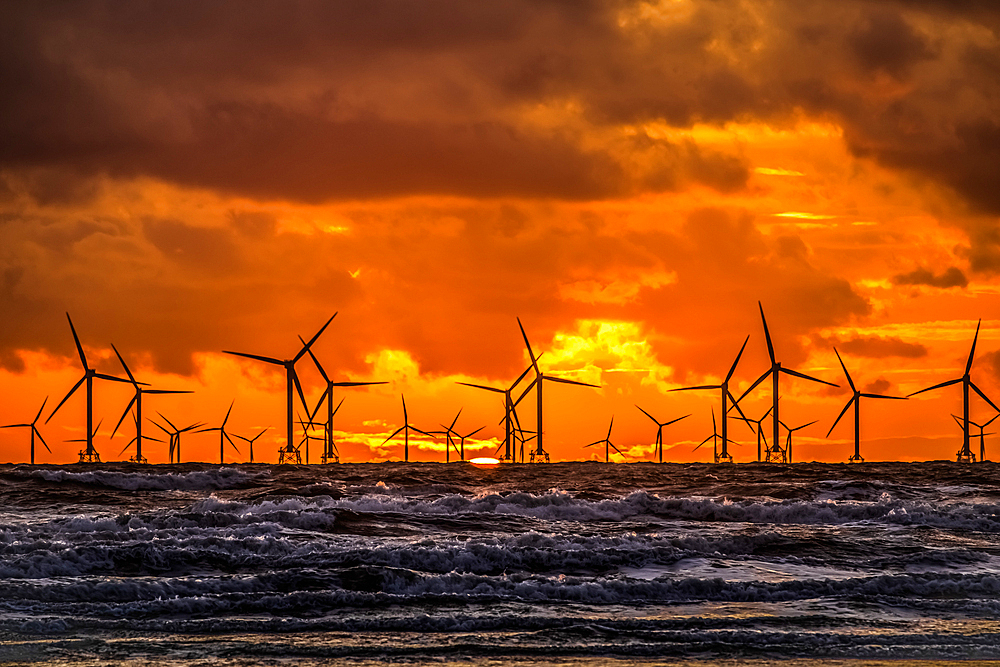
[(576, 564)]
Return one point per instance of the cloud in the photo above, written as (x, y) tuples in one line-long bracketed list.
[(951, 277), (879, 386), (876, 347)]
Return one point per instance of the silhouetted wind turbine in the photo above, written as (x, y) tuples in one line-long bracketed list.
[(537, 384), (89, 455), (759, 429), (608, 445), (291, 378), (138, 458), (775, 371), (449, 443), (175, 435), (405, 429), (982, 435), (856, 400), (252, 440), (307, 437), (329, 446), (715, 437), (137, 402), (223, 436), (658, 447), (461, 439), (724, 456), (965, 455), (788, 443), (510, 452), (34, 430)]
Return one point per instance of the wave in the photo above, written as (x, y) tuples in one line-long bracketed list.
[(222, 478)]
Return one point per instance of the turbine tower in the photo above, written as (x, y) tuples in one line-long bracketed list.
[(449, 442), (137, 402), (982, 435), (856, 400), (537, 383), (965, 454), (715, 437), (405, 429), (775, 371), (608, 445), (658, 447), (291, 377), (223, 436), (34, 431), (175, 435), (724, 456), (760, 430), (138, 458), (90, 454)]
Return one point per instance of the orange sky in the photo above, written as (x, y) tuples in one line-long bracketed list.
[(629, 178)]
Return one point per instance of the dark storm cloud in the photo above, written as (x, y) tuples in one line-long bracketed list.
[(950, 277)]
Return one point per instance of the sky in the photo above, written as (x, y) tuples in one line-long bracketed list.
[(627, 178)]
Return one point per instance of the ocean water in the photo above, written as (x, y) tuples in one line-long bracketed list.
[(575, 563)]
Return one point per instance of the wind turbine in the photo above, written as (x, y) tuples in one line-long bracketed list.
[(537, 384), (982, 435), (137, 402), (759, 429), (658, 447), (307, 427), (449, 443), (715, 437), (405, 429), (775, 371), (461, 439), (788, 443), (510, 452), (291, 378), (252, 440), (175, 435), (34, 431), (90, 454), (223, 436), (856, 400), (138, 458), (329, 446), (965, 455), (727, 395), (608, 445)]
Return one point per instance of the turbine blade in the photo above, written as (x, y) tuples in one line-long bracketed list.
[(228, 413), (15, 426), (469, 435), (480, 386), (159, 426), (972, 352), (79, 348), (521, 376), (453, 421), (733, 369), (807, 377), (315, 361), (167, 420), (701, 386), (167, 391), (394, 434), (984, 397), (313, 339), (990, 421), (611, 427), (754, 385), (736, 405), (406, 419), (937, 386), (226, 435), (767, 334), (565, 381), (127, 408), (534, 361), (337, 409), (648, 415), (40, 411), (39, 434), (842, 413), (356, 384), (896, 398), (525, 392), (66, 397), (112, 378), (849, 380), (673, 421), (266, 360), (617, 450), (298, 388), (126, 446), (124, 365)]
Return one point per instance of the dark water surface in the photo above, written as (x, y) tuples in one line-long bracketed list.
[(576, 563)]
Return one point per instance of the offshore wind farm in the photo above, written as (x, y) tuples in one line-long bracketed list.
[(527, 332)]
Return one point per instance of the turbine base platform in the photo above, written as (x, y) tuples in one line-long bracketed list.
[(138, 459), (855, 458), (289, 454), (90, 456), (776, 456), (965, 457), (543, 457), (332, 458), (723, 458)]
